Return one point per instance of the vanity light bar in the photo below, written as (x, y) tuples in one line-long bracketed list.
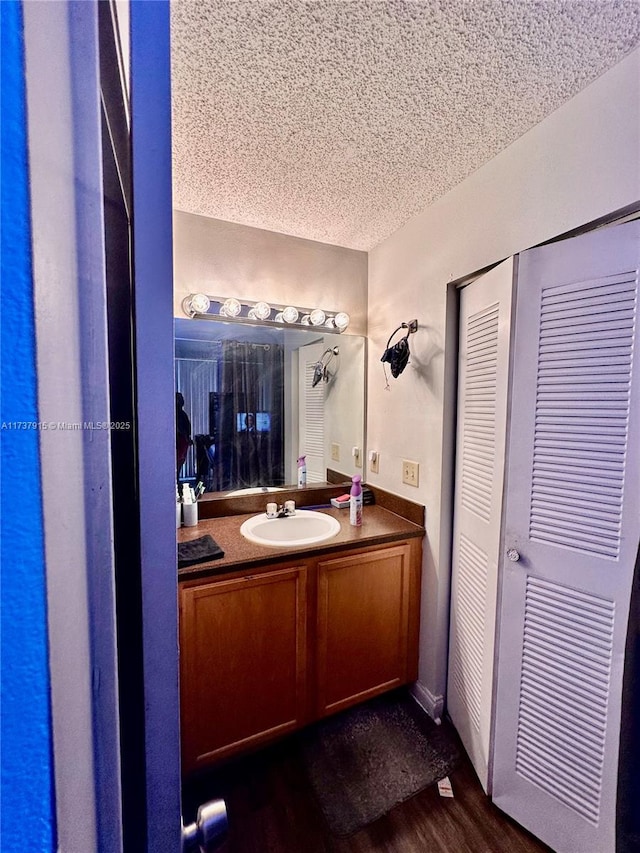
[(263, 313)]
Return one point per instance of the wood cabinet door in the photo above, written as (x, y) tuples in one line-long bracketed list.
[(363, 626), (243, 662)]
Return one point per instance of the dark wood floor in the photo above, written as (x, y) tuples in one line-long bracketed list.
[(272, 809)]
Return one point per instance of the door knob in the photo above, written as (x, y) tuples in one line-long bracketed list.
[(513, 555), (209, 829)]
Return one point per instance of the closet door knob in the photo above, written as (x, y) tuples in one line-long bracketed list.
[(513, 555)]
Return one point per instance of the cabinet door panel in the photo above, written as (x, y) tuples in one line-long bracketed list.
[(243, 662), (363, 610)]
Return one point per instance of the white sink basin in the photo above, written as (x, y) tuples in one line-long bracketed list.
[(304, 528)]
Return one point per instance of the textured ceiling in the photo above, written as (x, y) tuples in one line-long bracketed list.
[(338, 121)]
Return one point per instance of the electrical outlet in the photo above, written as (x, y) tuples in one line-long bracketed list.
[(335, 452), (374, 461), (410, 472)]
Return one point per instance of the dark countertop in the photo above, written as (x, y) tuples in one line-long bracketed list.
[(378, 526)]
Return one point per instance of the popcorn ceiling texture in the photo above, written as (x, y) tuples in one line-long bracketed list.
[(338, 121)]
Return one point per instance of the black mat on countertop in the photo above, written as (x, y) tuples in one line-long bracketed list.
[(199, 550), (364, 761)]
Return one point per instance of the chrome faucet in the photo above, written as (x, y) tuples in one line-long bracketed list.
[(281, 510)]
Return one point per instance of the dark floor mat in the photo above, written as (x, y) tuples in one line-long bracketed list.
[(363, 762)]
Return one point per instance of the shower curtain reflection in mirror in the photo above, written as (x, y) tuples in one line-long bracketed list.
[(235, 400)]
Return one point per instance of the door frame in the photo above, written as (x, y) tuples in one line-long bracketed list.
[(62, 91), (63, 100), (154, 344)]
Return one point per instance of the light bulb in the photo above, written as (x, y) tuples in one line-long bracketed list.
[(231, 307), (330, 323), (290, 314), (342, 320), (198, 303), (251, 314), (305, 320), (262, 310), (317, 317), (279, 318)]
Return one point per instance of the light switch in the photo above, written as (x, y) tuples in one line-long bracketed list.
[(374, 461), (410, 472), (335, 452)]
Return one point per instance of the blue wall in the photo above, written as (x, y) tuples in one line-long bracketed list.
[(27, 812)]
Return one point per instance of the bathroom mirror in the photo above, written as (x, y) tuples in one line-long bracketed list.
[(258, 398)]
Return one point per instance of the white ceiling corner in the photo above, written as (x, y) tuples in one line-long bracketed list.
[(338, 120)]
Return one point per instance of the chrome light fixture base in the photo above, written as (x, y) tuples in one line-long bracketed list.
[(234, 310)]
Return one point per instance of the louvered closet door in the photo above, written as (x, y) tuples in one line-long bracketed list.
[(311, 413), (483, 362), (572, 516)]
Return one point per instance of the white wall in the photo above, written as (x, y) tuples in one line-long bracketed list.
[(226, 259), (580, 163)]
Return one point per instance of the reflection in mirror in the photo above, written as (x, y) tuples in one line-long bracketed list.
[(257, 398)]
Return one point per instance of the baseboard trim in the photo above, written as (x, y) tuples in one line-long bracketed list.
[(433, 705)]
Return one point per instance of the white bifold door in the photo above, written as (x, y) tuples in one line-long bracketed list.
[(570, 538), (483, 369)]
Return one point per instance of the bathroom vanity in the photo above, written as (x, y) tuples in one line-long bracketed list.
[(272, 639)]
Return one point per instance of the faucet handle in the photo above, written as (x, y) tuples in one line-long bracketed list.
[(290, 507), (272, 510)]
